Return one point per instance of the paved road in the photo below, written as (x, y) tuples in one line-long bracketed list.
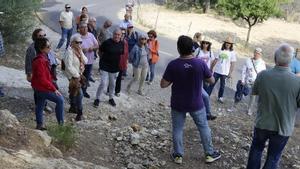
[(102, 9)]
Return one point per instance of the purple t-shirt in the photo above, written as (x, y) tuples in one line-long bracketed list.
[(186, 76), (89, 41)]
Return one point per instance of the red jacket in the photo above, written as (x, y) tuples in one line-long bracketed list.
[(124, 57), (41, 76)]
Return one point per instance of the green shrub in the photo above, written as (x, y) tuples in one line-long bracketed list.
[(64, 136), (18, 19)]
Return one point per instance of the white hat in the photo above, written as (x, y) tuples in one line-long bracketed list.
[(258, 50), (76, 38)]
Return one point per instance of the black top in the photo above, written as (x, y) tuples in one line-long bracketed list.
[(110, 59)]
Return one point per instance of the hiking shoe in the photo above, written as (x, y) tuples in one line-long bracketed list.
[(72, 110), (211, 117), (176, 158), (91, 79), (149, 82), (112, 102), (40, 127), (48, 109), (117, 94), (212, 157), (221, 100), (140, 93), (86, 95), (96, 103), (78, 118)]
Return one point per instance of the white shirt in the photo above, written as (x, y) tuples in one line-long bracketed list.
[(67, 19), (124, 24), (224, 59), (248, 73), (207, 57), (72, 63)]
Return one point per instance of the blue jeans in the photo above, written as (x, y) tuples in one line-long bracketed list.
[(206, 102), (275, 148), (65, 33), (40, 104), (222, 78), (87, 74), (199, 117), (151, 73)]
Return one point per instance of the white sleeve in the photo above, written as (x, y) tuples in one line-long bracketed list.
[(244, 71), (85, 59), (61, 18), (233, 57), (69, 64), (196, 52)]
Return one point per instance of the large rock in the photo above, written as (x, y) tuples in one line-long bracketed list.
[(10, 159), (8, 120)]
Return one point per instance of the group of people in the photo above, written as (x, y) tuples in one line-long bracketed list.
[(115, 50), (192, 76), (197, 70)]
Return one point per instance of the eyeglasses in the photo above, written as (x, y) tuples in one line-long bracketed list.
[(143, 39), (40, 36), (78, 42)]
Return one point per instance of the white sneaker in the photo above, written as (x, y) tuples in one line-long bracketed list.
[(221, 100), (249, 112)]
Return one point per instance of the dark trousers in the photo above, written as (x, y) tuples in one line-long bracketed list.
[(222, 78), (87, 74), (118, 82), (275, 148)]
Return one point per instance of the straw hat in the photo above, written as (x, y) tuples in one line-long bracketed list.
[(206, 39), (229, 40)]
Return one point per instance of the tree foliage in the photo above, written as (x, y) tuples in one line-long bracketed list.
[(252, 11), (18, 19)]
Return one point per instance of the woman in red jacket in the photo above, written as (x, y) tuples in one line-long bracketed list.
[(42, 84)]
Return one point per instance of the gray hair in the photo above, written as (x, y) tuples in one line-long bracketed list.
[(284, 54), (117, 30)]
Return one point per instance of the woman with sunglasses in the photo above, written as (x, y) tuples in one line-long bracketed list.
[(138, 57), (74, 61), (223, 64), (41, 82), (205, 53), (31, 54)]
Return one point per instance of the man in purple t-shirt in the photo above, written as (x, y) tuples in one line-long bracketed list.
[(186, 74)]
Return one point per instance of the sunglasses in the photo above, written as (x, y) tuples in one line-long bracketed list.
[(78, 42), (143, 39), (48, 46), (207, 43), (68, 7), (44, 35)]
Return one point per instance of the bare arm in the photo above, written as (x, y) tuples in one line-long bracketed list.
[(231, 68), (210, 80), (164, 83), (213, 64), (61, 23)]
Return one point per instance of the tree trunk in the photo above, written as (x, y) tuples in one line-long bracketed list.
[(248, 35), (206, 6)]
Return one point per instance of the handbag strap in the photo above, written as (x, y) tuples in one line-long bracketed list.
[(254, 66)]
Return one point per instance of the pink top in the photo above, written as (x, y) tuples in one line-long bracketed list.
[(89, 41)]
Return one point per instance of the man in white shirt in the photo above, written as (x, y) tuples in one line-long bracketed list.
[(66, 24), (125, 22)]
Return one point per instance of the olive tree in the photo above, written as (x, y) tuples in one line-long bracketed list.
[(252, 11), (18, 19)]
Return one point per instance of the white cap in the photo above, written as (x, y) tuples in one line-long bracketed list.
[(76, 38)]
